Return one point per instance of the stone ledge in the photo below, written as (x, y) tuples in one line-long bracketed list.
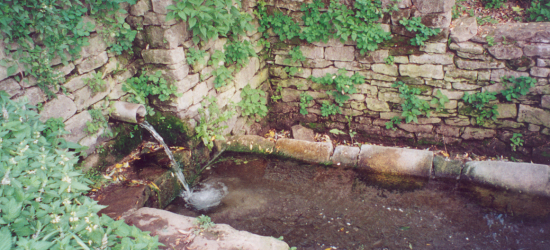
[(399, 161), (523, 177)]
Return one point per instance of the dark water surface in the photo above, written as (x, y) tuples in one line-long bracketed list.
[(318, 207)]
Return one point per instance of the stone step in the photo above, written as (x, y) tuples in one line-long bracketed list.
[(400, 161)]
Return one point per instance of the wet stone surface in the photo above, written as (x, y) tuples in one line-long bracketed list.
[(317, 207)]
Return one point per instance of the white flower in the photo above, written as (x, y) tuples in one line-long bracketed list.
[(12, 161), (21, 118), (56, 219), (38, 199), (69, 189), (35, 142), (61, 163), (87, 219), (6, 179), (66, 179), (89, 228), (31, 172), (24, 149), (66, 202), (65, 158), (5, 113)]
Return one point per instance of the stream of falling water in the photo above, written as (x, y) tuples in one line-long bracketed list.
[(207, 197)]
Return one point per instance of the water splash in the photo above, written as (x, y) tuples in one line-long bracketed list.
[(207, 197)]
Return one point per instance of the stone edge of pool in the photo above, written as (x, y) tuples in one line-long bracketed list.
[(518, 176)]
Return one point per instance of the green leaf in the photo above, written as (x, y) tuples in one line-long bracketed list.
[(11, 70), (5, 239)]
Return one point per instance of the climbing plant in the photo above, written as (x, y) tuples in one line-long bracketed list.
[(422, 31), (46, 30), (344, 84)]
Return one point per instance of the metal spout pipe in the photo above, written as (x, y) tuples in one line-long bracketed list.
[(129, 112)]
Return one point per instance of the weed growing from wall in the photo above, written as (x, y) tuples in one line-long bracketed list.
[(344, 84), (140, 88), (238, 53), (253, 103), (195, 56), (305, 99), (482, 109), (422, 32), (517, 87), (211, 121)]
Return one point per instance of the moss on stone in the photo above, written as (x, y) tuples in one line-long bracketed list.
[(129, 136), (174, 131)]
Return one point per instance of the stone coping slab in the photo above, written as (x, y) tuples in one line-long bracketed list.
[(178, 232), (524, 177)]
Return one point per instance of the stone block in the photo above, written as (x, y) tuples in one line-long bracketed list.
[(96, 46), (496, 75), (92, 62), (260, 77), (505, 52), (300, 132), (187, 83), (243, 77), (76, 126), (371, 75), (385, 69), (161, 56), (313, 52), (533, 115), (62, 106), (317, 63), (290, 95), (316, 152), (332, 42), (457, 121), (437, 20), (459, 75), (11, 87), (140, 8), (524, 177), (345, 156), (474, 65), (467, 47), (355, 66), (416, 128), (540, 50), (401, 59), (345, 53), (438, 48), (540, 72), (445, 168), (369, 90), (445, 59), (464, 29), (285, 61), (398, 161), (159, 6), (85, 97), (447, 130), (465, 86), (507, 110), (34, 96), (424, 70), (323, 72), (543, 62), (152, 18), (545, 101), (433, 6), (478, 133), (78, 82), (65, 69)]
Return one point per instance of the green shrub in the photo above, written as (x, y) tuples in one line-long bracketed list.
[(539, 11), (42, 205), (517, 87), (209, 19), (305, 99), (195, 55), (222, 76), (140, 88), (238, 53), (342, 83), (481, 107), (422, 32), (211, 121), (253, 103), (329, 109), (495, 4)]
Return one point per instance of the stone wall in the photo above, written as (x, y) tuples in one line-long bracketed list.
[(456, 61), (159, 45)]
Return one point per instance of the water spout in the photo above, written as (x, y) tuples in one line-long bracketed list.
[(129, 112)]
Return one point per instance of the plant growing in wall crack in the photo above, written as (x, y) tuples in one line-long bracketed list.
[(328, 109), (295, 56), (343, 84), (145, 85), (97, 84), (305, 99), (211, 121), (210, 19), (412, 105), (516, 141), (422, 32), (222, 76), (195, 56), (481, 107), (517, 87), (253, 103), (238, 53)]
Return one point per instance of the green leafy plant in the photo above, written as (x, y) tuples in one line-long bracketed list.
[(217, 59), (116, 32), (481, 107), (276, 97), (222, 76), (392, 122), (412, 105), (329, 109), (59, 30), (98, 122), (440, 99), (422, 32), (253, 103), (291, 71), (295, 56), (41, 193), (486, 19), (140, 88), (238, 53), (343, 84), (305, 99), (97, 84), (210, 19), (210, 122), (517, 87), (204, 222), (495, 4), (516, 141), (317, 25), (490, 40), (280, 24), (195, 55), (389, 60), (539, 11)]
